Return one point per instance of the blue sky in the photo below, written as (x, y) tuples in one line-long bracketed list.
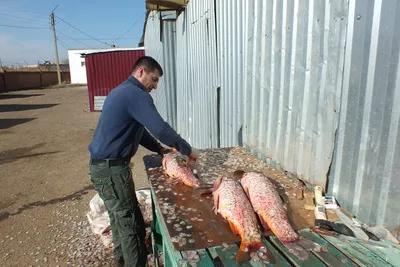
[(101, 19)]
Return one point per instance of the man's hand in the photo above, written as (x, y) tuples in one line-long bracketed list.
[(194, 154), (164, 151), (191, 160)]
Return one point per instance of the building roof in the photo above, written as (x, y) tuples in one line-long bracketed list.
[(109, 49)]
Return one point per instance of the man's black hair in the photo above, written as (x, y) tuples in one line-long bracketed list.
[(149, 63)]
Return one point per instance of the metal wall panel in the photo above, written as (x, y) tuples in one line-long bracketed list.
[(286, 71), (106, 70), (169, 65), (293, 75), (197, 77), (366, 168), (160, 44), (99, 102), (230, 17)]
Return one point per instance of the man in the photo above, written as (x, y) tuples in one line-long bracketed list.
[(127, 111)]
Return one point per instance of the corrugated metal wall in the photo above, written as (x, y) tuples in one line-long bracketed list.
[(160, 44), (197, 76), (106, 70), (366, 169), (294, 62), (306, 82), (230, 43)]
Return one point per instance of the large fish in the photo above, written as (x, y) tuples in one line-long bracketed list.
[(231, 203), (175, 166), (269, 207)]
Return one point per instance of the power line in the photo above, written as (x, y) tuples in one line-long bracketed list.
[(129, 28), (63, 44), (73, 39), (27, 11), (25, 19), (22, 27), (22, 23), (81, 31)]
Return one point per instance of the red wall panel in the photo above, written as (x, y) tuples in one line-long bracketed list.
[(106, 70)]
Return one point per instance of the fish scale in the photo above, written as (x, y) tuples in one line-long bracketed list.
[(175, 167), (234, 206), (268, 205), (231, 202)]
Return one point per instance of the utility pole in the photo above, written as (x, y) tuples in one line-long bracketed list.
[(53, 25)]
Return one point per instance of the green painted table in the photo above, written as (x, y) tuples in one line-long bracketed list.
[(199, 250)]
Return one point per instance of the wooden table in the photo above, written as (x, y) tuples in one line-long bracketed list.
[(209, 242)]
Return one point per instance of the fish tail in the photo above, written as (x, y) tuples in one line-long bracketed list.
[(300, 247), (204, 186), (248, 247), (206, 192), (214, 187), (238, 174)]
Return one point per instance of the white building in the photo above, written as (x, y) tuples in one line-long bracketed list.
[(77, 62)]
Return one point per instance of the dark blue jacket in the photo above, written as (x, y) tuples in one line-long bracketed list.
[(127, 110)]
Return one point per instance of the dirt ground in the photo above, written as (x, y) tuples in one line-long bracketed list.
[(44, 179)]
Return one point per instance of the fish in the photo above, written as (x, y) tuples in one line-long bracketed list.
[(174, 166), (231, 202), (267, 203)]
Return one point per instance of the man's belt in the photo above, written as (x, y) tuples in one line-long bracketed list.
[(110, 162)]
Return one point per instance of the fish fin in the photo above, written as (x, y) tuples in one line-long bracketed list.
[(233, 228), (204, 186), (264, 223), (206, 192), (216, 203), (246, 191), (267, 232), (248, 247), (238, 174), (217, 183), (213, 189), (300, 247)]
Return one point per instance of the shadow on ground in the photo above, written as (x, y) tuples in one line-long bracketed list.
[(76, 195), (12, 96), (21, 107), (23, 152), (8, 123)]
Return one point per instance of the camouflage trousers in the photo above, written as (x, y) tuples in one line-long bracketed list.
[(115, 186)]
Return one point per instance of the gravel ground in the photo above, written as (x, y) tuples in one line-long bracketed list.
[(44, 179)]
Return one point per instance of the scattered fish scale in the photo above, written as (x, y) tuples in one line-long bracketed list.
[(210, 165)]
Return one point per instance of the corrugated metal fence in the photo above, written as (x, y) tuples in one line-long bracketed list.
[(312, 87), (197, 77), (163, 48), (294, 60), (230, 31), (365, 173)]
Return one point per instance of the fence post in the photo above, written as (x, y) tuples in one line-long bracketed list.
[(4, 81), (41, 78)]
